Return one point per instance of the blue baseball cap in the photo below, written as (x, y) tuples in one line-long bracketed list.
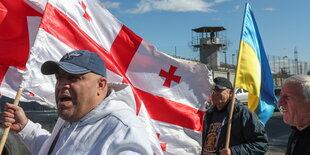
[(76, 62)]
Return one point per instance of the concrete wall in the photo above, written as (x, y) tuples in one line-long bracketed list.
[(210, 55), (227, 74)]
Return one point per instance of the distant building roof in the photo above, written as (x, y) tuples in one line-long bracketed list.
[(209, 29)]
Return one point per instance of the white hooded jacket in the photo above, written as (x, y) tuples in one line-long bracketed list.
[(112, 128)]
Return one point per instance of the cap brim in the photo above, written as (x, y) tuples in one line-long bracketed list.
[(220, 87), (49, 67)]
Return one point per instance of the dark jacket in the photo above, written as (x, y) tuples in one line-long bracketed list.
[(248, 135), (299, 142)]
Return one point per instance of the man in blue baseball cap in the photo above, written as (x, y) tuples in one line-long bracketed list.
[(95, 118)]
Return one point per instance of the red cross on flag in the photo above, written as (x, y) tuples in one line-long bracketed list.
[(170, 94), (170, 76)]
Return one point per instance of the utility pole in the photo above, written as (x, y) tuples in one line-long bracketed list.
[(233, 55), (175, 50), (225, 59), (284, 64), (296, 60)]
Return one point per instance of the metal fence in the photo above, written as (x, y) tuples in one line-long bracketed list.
[(284, 65), (279, 65)]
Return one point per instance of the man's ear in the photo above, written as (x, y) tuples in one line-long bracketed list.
[(102, 83), (231, 91)]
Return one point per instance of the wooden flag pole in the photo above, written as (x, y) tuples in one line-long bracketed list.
[(231, 111), (7, 129), (232, 105)]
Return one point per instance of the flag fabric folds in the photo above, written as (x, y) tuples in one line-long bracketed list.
[(19, 23), (170, 94), (253, 71)]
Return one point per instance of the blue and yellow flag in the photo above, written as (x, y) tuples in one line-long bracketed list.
[(253, 71)]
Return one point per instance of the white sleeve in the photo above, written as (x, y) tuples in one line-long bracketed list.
[(33, 135)]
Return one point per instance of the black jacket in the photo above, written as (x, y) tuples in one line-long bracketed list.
[(248, 135), (299, 142)]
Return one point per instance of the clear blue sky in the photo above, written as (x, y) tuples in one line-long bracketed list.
[(167, 24)]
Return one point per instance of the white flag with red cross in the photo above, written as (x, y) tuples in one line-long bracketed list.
[(170, 94)]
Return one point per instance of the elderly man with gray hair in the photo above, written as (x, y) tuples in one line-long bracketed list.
[(295, 104)]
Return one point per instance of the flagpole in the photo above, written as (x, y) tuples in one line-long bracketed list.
[(232, 105), (231, 111), (230, 120), (7, 129)]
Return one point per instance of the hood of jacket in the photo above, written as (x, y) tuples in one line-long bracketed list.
[(120, 97)]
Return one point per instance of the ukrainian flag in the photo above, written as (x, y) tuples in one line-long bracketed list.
[(253, 71)]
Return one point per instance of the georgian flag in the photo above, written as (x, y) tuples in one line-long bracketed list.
[(170, 94)]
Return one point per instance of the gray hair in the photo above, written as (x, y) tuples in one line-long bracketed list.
[(303, 81)]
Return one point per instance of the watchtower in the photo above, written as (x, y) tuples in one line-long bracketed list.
[(209, 41)]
